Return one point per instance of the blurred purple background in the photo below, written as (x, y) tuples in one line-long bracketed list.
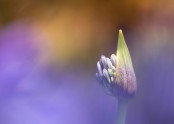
[(49, 51)]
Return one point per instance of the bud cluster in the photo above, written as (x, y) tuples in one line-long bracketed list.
[(106, 71)]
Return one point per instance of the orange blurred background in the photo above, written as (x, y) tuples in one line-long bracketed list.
[(83, 29)]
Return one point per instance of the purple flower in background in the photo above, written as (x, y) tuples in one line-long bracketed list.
[(19, 55), (31, 93)]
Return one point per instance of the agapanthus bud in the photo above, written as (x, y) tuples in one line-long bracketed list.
[(117, 74)]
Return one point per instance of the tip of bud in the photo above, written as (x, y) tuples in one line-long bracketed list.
[(120, 31)]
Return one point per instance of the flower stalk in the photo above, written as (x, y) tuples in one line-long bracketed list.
[(121, 111)]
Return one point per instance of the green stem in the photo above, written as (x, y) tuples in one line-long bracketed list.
[(121, 111)]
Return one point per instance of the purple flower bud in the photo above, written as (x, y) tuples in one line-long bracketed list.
[(111, 73), (105, 73), (109, 64), (113, 59), (117, 75), (99, 68), (103, 61)]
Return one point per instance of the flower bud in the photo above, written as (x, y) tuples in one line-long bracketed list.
[(117, 74)]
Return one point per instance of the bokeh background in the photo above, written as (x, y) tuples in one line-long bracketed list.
[(48, 55)]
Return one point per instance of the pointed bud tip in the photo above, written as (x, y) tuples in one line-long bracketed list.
[(120, 31), (120, 35)]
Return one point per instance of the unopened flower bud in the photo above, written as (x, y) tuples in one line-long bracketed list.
[(117, 74)]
